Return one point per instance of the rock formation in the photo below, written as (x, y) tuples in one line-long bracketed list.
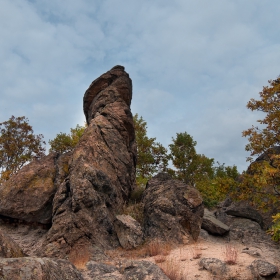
[(129, 231), (69, 206), (173, 211), (38, 269), (101, 171), (9, 248), (29, 194)]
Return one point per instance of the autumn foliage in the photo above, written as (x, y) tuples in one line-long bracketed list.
[(18, 145)]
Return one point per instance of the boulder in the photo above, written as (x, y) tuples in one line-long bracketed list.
[(249, 233), (215, 266), (126, 270), (28, 195), (173, 210), (102, 168), (37, 269), (244, 210), (213, 225), (9, 248), (101, 271), (142, 270), (129, 231), (262, 269)]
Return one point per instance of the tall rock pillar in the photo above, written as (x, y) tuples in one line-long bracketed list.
[(102, 168)]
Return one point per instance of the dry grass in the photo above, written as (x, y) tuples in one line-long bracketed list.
[(151, 249), (136, 211), (173, 270), (160, 258), (230, 254), (157, 247), (79, 255), (196, 252)]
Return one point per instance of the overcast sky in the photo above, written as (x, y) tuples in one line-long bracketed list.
[(194, 64)]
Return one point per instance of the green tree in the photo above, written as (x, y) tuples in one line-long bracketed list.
[(190, 166), (151, 156), (18, 145), (213, 182), (223, 184), (63, 142)]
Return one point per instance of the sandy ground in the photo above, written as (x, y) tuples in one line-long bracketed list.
[(182, 260)]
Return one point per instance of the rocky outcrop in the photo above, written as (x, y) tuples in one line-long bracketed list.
[(213, 225), (38, 269), (8, 247), (129, 231), (28, 195), (262, 269), (102, 168), (173, 211)]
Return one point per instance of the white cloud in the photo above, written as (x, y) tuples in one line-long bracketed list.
[(194, 64)]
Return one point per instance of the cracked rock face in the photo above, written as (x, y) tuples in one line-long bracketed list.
[(102, 168), (173, 211), (28, 195)]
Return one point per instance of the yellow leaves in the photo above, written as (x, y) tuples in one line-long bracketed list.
[(274, 231)]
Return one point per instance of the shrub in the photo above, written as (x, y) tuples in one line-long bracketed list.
[(274, 231), (136, 194)]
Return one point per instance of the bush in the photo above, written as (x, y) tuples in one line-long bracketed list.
[(274, 231)]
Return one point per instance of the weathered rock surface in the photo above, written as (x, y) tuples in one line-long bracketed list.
[(102, 168), (101, 271), (129, 231), (262, 269), (249, 232), (142, 270), (28, 195), (215, 266), (173, 211), (37, 269), (8, 247), (254, 252), (128, 270), (243, 210), (213, 225)]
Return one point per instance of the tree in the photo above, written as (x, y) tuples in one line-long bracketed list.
[(213, 182), (261, 183), (191, 167), (63, 142), (151, 156), (18, 145)]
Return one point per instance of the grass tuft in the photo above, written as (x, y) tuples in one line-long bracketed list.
[(173, 270), (230, 254), (157, 247), (79, 255)]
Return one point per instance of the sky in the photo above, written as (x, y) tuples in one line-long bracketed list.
[(194, 64)]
